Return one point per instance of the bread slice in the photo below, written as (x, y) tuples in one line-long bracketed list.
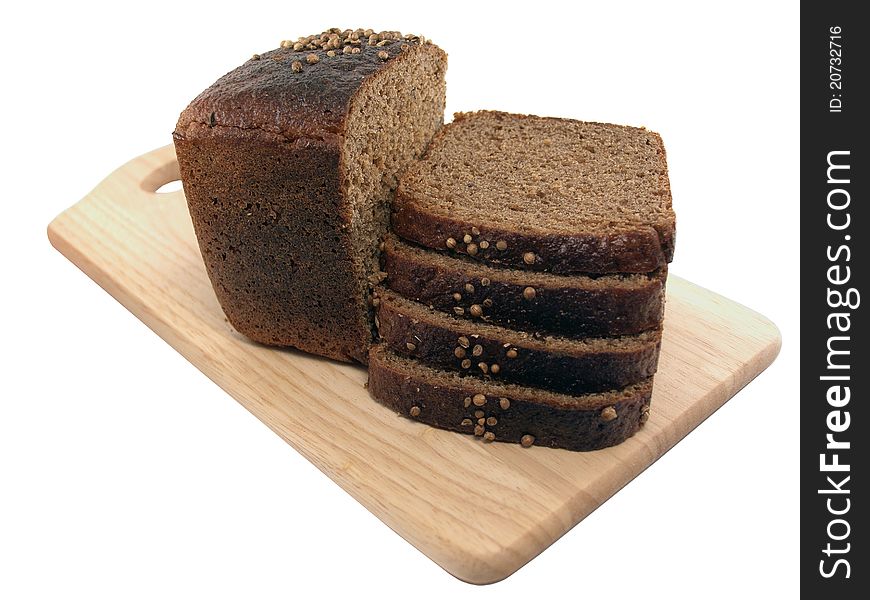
[(573, 366), (541, 194), (568, 305), (289, 163), (506, 412)]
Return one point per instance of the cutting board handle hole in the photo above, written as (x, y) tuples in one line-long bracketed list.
[(164, 179), (169, 187)]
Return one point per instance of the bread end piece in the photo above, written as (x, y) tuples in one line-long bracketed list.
[(289, 166)]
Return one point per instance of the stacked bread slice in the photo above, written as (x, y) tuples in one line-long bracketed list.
[(525, 277)]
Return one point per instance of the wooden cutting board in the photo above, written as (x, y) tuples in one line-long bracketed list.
[(481, 511)]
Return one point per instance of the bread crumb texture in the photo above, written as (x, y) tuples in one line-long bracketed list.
[(557, 174)]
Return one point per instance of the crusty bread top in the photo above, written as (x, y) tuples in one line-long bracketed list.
[(541, 342), (303, 88), (394, 246), (542, 194), (411, 370)]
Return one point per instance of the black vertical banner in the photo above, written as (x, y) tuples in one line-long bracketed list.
[(835, 366)]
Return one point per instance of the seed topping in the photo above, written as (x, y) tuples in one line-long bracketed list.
[(529, 258), (527, 441), (529, 293), (608, 414), (504, 403), (415, 411)]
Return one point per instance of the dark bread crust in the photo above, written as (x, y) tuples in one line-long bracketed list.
[(570, 306), (272, 288), (266, 94), (615, 248), (434, 339), (260, 155), (441, 402), (640, 250)]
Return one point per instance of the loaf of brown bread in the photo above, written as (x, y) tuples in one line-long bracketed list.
[(562, 364), (541, 194), (506, 412), (568, 305), (289, 164)]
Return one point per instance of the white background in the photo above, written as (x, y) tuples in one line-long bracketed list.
[(125, 473)]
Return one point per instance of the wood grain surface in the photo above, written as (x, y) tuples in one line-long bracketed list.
[(481, 511)]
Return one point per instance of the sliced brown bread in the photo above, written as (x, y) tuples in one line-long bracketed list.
[(506, 412), (289, 163), (574, 305), (541, 194), (573, 366)]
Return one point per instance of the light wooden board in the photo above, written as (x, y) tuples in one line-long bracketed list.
[(481, 511)]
